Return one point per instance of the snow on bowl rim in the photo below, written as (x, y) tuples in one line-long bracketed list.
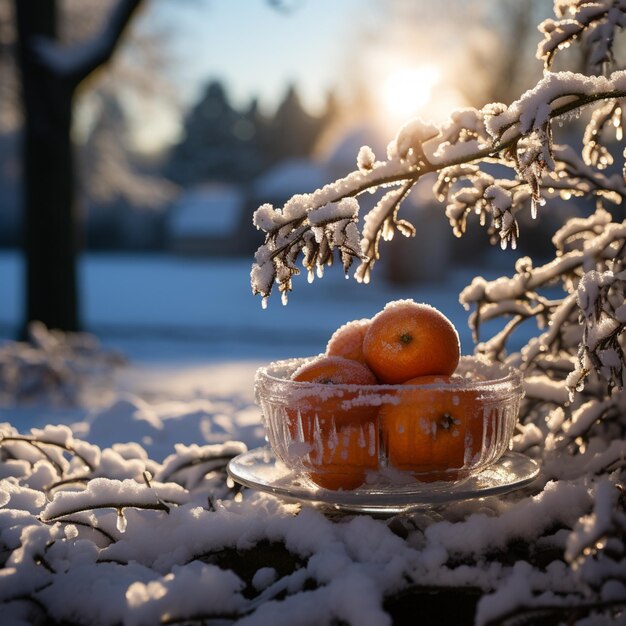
[(496, 376)]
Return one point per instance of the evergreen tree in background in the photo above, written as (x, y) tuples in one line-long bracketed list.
[(292, 129), (222, 143), (218, 142)]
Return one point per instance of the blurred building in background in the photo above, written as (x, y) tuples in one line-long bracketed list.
[(204, 220)]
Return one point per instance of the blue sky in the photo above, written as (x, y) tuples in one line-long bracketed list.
[(409, 52), (257, 49)]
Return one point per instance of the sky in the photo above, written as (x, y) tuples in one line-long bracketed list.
[(410, 56), (255, 49), (259, 49), (399, 53)]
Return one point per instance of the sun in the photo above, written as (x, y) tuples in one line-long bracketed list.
[(406, 91)]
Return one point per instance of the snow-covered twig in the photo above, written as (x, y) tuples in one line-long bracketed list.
[(595, 23), (53, 366), (518, 136), (39, 445)]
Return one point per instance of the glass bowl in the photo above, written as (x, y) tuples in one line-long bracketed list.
[(350, 436)]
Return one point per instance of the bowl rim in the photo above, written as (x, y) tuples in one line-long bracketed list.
[(511, 378)]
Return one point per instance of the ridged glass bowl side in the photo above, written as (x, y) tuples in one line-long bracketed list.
[(344, 435)]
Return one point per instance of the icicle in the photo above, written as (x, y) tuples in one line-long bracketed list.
[(617, 117), (361, 441), (121, 521), (317, 437), (333, 438), (310, 276), (284, 298), (299, 429), (373, 436), (264, 302)]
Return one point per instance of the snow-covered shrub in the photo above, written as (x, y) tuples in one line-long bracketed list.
[(574, 418), (53, 366), (89, 535)]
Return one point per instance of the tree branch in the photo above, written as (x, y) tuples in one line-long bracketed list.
[(421, 149), (77, 62), (571, 611), (157, 506), (37, 443), (413, 174)]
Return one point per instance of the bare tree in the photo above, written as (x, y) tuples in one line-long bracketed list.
[(50, 75)]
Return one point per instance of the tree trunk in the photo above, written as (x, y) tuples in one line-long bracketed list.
[(50, 76), (49, 210)]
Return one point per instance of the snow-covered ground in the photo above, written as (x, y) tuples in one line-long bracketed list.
[(208, 302), (191, 329), (124, 514), (179, 317)]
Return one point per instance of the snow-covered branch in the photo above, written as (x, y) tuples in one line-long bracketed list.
[(54, 366), (518, 136), (595, 23), (252, 557), (590, 268)]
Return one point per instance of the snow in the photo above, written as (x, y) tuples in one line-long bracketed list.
[(365, 159), (139, 527), (412, 134), (209, 210), (345, 208), (532, 110)]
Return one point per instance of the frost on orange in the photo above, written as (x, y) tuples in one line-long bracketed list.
[(347, 340), (407, 339), (434, 430), (334, 370)]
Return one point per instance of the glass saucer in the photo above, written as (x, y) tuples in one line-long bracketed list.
[(259, 469)]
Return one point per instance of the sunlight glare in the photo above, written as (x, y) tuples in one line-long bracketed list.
[(407, 90)]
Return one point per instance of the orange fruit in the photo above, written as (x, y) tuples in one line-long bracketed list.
[(334, 370), (433, 430), (347, 340), (407, 339), (341, 435)]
